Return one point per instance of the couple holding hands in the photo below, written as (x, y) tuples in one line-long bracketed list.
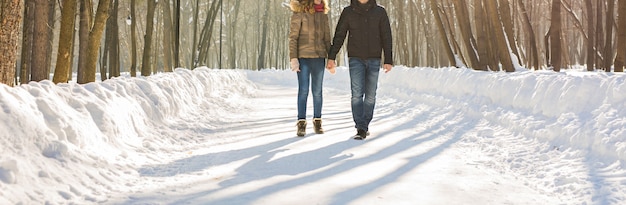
[(367, 27)]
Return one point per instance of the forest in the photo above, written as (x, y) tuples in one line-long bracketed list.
[(58, 40)]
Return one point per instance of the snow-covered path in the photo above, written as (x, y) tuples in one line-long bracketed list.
[(439, 136), (417, 154)]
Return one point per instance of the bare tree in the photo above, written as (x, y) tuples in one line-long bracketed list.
[(621, 37), (177, 34), (591, 33), (146, 68), (233, 32), (532, 44), (555, 36), (10, 18), (194, 44), (608, 53), (66, 36), (42, 44), (261, 61), (442, 32), (462, 15), (133, 37), (507, 23), (168, 37), (207, 33), (114, 39), (27, 41), (500, 38), (83, 37), (95, 35)]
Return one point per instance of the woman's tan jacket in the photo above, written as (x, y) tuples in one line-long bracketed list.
[(309, 32)]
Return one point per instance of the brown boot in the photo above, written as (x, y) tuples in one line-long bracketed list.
[(317, 126), (301, 128)]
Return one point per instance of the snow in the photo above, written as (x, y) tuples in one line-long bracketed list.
[(208, 136)]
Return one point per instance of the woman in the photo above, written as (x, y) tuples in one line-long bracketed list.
[(309, 43)]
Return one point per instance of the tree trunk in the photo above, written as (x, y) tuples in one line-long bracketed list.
[(194, 44), (27, 41), (621, 37), (481, 35), (534, 53), (83, 37), (110, 58), (66, 35), (94, 41), (177, 35), (10, 18), (507, 23), (442, 33), (608, 45), (146, 68), (207, 31), (133, 37), (460, 58), (40, 70), (591, 37), (600, 34), (462, 15), (233, 26), (261, 57), (500, 38), (555, 36), (168, 44), (114, 45)]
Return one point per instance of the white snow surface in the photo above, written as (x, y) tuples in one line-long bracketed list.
[(208, 136)]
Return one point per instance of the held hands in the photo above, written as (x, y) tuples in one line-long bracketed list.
[(387, 67), (330, 66), (295, 65)]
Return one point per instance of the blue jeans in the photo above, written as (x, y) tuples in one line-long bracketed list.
[(311, 73), (363, 82)]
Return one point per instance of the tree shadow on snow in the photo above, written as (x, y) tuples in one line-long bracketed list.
[(263, 165), (331, 154)]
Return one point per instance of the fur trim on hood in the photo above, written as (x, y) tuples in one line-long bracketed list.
[(298, 6)]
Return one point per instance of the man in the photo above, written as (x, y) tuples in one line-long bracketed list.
[(369, 36)]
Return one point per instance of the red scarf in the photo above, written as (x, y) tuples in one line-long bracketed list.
[(319, 7)]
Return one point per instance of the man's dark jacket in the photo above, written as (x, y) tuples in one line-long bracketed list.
[(368, 29)]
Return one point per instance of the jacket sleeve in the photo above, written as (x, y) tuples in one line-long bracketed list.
[(327, 35), (294, 34), (340, 34), (387, 42)]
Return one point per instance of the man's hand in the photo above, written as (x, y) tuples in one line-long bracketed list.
[(330, 66), (387, 67), (295, 65)]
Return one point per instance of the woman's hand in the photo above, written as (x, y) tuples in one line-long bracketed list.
[(295, 65)]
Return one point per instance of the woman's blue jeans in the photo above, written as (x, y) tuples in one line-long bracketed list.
[(311, 74), (363, 82)]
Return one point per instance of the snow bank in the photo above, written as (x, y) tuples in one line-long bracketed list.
[(70, 125), (102, 132), (573, 110)]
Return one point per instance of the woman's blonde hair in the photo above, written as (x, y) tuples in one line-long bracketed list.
[(308, 6)]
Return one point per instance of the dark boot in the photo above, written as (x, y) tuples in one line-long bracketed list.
[(361, 134), (317, 126), (301, 128)]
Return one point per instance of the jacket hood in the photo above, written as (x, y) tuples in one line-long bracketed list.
[(298, 6), (356, 2)]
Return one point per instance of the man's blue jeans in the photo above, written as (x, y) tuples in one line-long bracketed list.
[(311, 73), (363, 82)]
